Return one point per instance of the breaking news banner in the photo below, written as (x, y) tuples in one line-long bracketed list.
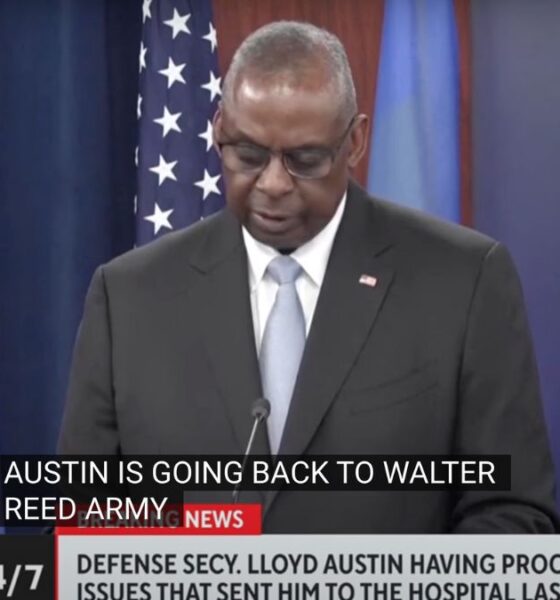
[(130, 529), (283, 567)]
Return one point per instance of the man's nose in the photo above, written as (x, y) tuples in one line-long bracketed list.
[(275, 181)]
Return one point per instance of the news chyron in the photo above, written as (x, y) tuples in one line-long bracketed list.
[(185, 527)]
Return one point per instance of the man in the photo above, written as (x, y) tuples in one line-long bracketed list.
[(406, 335)]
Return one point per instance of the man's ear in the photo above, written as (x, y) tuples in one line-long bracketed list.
[(217, 125), (358, 140)]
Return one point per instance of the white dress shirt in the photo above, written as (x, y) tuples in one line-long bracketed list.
[(313, 257)]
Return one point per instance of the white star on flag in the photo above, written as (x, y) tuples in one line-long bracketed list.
[(178, 23), (142, 58), (207, 135), (168, 121), (211, 37), (213, 86), (208, 184), (146, 10), (160, 218), (139, 106), (173, 73), (164, 170)]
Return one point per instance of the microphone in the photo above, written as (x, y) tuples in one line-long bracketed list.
[(259, 411)]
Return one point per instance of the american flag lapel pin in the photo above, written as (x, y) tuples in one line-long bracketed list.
[(368, 280)]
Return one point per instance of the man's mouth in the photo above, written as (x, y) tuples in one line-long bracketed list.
[(272, 221)]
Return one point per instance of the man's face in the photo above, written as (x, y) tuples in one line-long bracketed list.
[(279, 209)]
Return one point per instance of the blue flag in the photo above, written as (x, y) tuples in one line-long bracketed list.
[(179, 171), (415, 142)]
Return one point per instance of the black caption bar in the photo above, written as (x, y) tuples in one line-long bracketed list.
[(34, 486)]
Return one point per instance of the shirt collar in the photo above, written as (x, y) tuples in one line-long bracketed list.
[(313, 256)]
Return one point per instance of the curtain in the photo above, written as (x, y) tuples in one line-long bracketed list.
[(67, 136)]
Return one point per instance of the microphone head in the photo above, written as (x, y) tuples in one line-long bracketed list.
[(260, 409)]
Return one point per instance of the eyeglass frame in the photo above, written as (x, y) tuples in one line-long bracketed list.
[(332, 152)]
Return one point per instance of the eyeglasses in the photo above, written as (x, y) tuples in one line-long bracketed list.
[(304, 163)]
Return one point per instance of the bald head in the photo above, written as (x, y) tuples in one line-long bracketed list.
[(289, 54)]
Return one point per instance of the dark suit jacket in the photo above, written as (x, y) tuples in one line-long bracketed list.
[(435, 359)]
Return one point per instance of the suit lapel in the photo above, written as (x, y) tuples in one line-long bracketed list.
[(345, 313), (227, 326)]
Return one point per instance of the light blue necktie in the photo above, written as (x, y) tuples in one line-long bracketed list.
[(282, 346)]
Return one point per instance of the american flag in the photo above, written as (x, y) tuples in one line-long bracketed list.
[(179, 172)]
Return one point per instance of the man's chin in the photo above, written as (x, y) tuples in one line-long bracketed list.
[(279, 243), (279, 234)]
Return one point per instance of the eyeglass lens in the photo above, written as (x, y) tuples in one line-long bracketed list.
[(304, 162)]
